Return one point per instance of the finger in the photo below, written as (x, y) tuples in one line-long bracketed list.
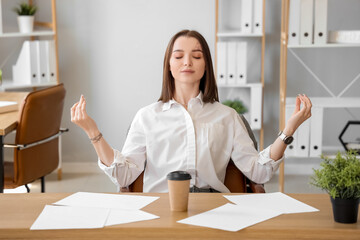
[(75, 104), (73, 111), (83, 108), (80, 110), (308, 105), (309, 108), (297, 104), (308, 100)]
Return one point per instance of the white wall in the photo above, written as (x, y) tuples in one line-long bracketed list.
[(112, 52)]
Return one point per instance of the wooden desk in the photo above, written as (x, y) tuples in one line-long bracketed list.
[(8, 122), (19, 211)]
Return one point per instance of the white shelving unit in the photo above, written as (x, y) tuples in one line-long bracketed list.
[(33, 34), (41, 29), (332, 101), (229, 30), (329, 45), (9, 85)]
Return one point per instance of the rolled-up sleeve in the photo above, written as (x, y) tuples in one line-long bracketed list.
[(129, 163), (258, 167)]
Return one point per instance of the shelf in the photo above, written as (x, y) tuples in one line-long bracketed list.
[(328, 45), (8, 85), (32, 34), (248, 85), (330, 102), (328, 151), (237, 34)]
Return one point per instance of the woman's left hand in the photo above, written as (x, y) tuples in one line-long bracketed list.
[(299, 115)]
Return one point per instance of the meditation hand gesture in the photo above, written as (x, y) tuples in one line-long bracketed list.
[(299, 115), (82, 119)]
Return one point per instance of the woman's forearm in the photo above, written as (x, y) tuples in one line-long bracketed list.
[(277, 149), (297, 118), (83, 120), (104, 151)]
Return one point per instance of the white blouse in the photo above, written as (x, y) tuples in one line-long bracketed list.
[(200, 140)]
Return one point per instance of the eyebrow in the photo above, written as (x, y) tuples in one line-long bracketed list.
[(195, 50)]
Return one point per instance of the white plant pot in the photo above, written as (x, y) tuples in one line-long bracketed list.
[(26, 24)]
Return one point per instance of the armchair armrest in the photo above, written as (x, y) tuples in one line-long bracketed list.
[(29, 145), (255, 187)]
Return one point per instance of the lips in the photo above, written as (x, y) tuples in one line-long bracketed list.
[(187, 71)]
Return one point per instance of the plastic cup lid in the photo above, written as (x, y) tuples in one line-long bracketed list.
[(179, 175)]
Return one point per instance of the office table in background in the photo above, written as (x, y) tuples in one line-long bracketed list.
[(19, 211), (8, 122)]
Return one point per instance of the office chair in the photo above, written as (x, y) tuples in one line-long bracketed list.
[(36, 148), (235, 180)]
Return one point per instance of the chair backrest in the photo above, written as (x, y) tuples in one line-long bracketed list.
[(235, 180), (40, 118)]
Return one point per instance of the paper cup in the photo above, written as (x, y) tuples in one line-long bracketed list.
[(179, 184)]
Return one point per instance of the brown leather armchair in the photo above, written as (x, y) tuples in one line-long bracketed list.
[(235, 180), (36, 148)]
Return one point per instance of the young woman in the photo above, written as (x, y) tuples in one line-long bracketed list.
[(188, 129)]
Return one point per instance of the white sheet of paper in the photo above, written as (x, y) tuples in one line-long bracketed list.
[(104, 200), (120, 216), (65, 217), (230, 217), (276, 201)]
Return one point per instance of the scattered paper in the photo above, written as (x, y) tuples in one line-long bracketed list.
[(230, 217), (64, 217), (276, 201), (119, 216), (8, 106), (101, 200)]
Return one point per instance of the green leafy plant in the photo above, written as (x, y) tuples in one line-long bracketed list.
[(340, 177), (25, 9), (237, 105)]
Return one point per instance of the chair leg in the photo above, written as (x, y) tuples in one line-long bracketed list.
[(27, 188), (42, 184)]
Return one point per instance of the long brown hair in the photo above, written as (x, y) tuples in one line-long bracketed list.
[(207, 83)]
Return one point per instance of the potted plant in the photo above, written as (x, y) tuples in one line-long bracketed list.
[(25, 17), (237, 105), (340, 177)]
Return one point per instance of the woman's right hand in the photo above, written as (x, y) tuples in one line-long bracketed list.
[(82, 119)]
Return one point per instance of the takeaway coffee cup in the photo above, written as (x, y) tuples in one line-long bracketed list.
[(179, 184)]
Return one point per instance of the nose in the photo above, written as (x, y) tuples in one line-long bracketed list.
[(187, 61)]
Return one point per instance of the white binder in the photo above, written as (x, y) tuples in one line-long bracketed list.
[(258, 16), (303, 140), (290, 150), (241, 63), (306, 22), (51, 57), (294, 22), (231, 63), (246, 16), (316, 123), (25, 71), (320, 21), (221, 63), (42, 61), (255, 106)]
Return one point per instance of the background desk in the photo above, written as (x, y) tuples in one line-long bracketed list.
[(19, 211), (8, 122)]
